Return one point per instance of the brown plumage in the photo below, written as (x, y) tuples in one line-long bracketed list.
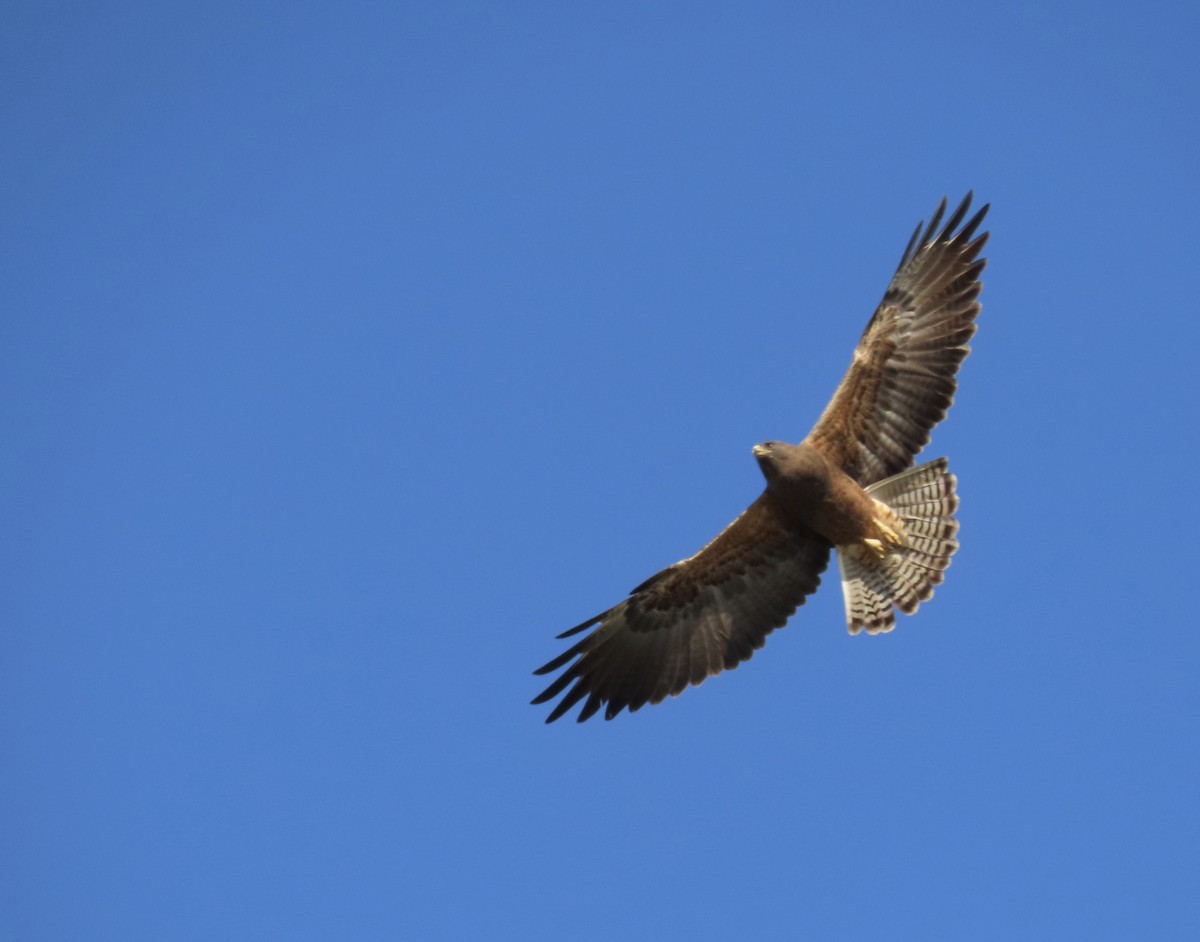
[(847, 485)]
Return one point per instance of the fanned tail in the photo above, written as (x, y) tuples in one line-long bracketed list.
[(924, 500)]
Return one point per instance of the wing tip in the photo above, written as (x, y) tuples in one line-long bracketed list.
[(924, 233), (582, 627)]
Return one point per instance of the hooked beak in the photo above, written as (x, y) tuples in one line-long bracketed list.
[(760, 451)]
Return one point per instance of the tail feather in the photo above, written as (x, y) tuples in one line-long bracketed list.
[(925, 501)]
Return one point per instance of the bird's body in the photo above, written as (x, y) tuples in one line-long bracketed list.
[(849, 485), (816, 497)]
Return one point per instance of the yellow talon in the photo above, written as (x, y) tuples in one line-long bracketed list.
[(889, 535)]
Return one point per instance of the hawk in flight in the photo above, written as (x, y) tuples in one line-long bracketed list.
[(848, 486)]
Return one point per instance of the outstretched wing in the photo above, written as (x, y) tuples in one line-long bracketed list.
[(696, 618), (901, 380)]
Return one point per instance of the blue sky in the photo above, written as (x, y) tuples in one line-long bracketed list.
[(350, 352)]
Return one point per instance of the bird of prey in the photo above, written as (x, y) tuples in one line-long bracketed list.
[(849, 486)]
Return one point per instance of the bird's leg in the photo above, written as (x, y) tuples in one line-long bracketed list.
[(889, 535), (876, 547), (886, 539)]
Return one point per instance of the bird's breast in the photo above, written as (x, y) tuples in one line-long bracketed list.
[(836, 508)]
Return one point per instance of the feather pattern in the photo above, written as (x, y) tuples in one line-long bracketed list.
[(702, 615), (924, 500), (901, 380)]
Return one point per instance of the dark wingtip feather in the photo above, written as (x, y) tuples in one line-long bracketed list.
[(924, 234), (956, 217), (594, 702), (913, 242), (934, 221), (969, 229), (578, 628), (978, 244), (614, 707), (562, 659), (554, 689), (573, 696), (972, 275)]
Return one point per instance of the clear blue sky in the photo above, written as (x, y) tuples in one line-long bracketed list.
[(349, 352)]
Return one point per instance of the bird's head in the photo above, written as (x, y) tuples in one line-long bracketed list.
[(768, 455), (799, 464)]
